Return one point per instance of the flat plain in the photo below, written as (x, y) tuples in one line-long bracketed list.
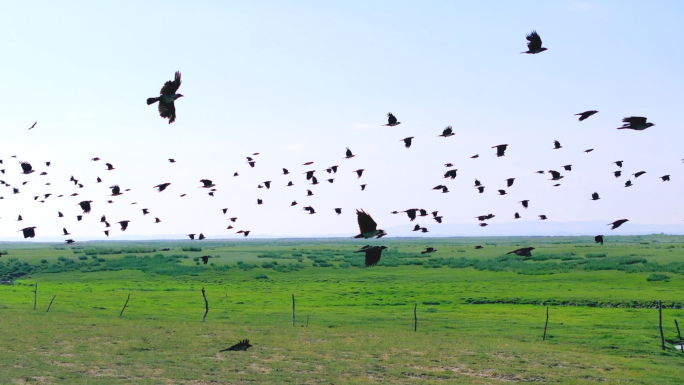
[(480, 312)]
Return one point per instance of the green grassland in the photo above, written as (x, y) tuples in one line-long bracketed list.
[(480, 313)]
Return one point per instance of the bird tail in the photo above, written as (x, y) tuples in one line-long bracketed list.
[(152, 100)]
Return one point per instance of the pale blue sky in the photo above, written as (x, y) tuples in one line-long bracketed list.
[(300, 81)]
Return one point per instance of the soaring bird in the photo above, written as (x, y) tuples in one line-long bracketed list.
[(598, 239), (638, 174), (338, 210), (171, 160), (619, 163), (502, 192), (310, 209), (451, 173), (65, 231), (260, 201), (205, 259), (411, 213), (509, 182), (34, 124), (555, 175), (69, 241), (523, 251), (207, 183), (201, 237), (595, 196), (617, 223), (116, 190), (363, 186), (242, 345), (407, 141), (162, 187), (267, 184), (628, 183), (567, 167), (635, 123), (428, 250), (26, 168), (106, 232), (359, 172), (447, 132), (348, 154), (391, 120), (309, 193), (586, 114), (617, 173), (516, 215), (285, 171), (535, 43), (29, 232), (333, 169), (444, 189), (373, 254), (665, 178), (589, 150), (85, 206), (525, 203), (145, 211), (367, 226), (168, 95), (59, 214), (20, 218), (244, 232), (500, 149), (543, 217), (480, 189), (124, 225), (157, 220), (309, 174), (192, 236), (556, 145)]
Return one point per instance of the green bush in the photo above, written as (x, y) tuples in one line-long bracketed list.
[(658, 277)]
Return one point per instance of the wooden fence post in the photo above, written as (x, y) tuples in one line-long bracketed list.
[(660, 324), (124, 307), (293, 310), (206, 306), (35, 296), (546, 324), (307, 320), (415, 317), (53, 298), (678, 332)]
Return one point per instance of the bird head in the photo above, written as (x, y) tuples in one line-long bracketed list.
[(381, 233)]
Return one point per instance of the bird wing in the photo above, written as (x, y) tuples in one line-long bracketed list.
[(26, 167), (366, 223), (391, 119), (535, 41), (635, 120), (167, 110), (373, 256), (170, 87)]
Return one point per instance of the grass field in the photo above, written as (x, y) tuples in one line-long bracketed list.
[(481, 313)]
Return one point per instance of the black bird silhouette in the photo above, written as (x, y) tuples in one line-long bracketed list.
[(500, 149), (617, 173), (309, 193), (294, 203), (310, 209), (567, 167), (363, 186), (168, 95), (26, 168), (106, 232), (205, 259), (145, 211), (438, 218), (407, 141), (201, 236), (359, 172), (368, 227), (451, 173), (348, 154), (157, 220), (598, 239), (638, 174), (619, 163), (535, 43), (29, 232), (233, 219), (20, 218), (242, 345), (411, 213), (244, 232), (110, 167), (475, 156), (85, 206), (628, 183), (192, 236), (338, 210), (589, 150), (124, 225), (69, 241), (309, 174), (59, 214), (477, 183), (289, 184), (478, 247), (665, 178), (373, 254), (162, 187), (98, 180), (502, 192), (555, 175), (523, 251), (480, 189), (447, 132), (171, 160), (314, 180), (509, 182), (260, 201), (207, 183), (65, 231), (525, 203), (34, 124), (635, 123), (556, 145), (543, 217), (617, 223), (595, 196), (391, 120), (444, 189), (516, 216), (585, 114), (285, 171), (428, 250), (116, 190)]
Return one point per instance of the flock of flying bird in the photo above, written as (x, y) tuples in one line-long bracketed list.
[(368, 228)]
